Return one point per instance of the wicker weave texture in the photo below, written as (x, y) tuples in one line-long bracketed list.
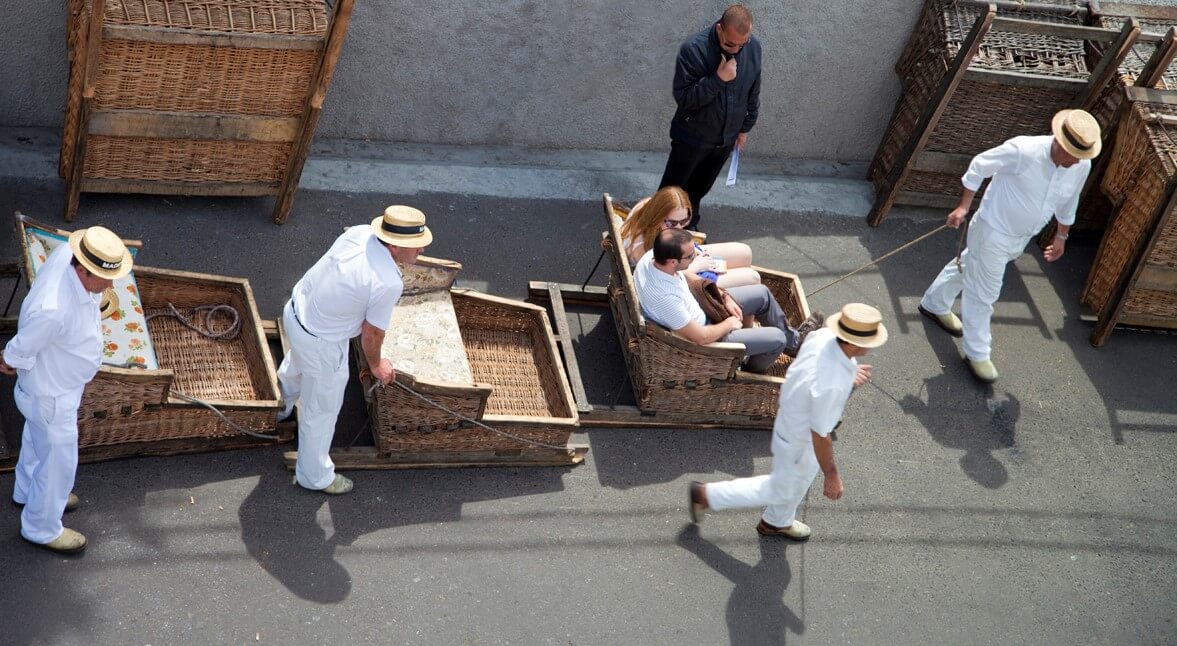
[(168, 423), (185, 160), (290, 17), (1153, 303), (983, 115), (142, 75), (1018, 52), (75, 34)]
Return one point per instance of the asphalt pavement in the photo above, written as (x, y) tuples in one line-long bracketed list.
[(1039, 510)]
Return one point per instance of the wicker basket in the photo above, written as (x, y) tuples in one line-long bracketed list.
[(961, 97), (124, 406), (216, 97), (679, 380), (1134, 277), (519, 385)]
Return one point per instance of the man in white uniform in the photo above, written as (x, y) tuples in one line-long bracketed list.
[(350, 291), (812, 399), (56, 351), (1033, 178)]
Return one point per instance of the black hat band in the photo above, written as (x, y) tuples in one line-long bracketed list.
[(859, 333), (89, 255), (1074, 142), (402, 231)]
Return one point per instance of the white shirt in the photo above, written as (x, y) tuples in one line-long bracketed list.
[(665, 299), (58, 344), (1027, 187), (356, 280), (816, 388)]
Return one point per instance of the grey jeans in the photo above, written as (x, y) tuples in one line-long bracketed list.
[(763, 344)]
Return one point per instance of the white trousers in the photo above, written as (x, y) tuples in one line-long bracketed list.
[(984, 261), (794, 466), (314, 373), (48, 461)]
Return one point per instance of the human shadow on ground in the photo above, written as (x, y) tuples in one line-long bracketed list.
[(755, 612), (628, 458)]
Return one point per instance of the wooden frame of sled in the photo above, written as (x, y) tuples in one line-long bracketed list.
[(130, 411), (489, 359), (677, 383)]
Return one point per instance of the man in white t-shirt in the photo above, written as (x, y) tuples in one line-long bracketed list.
[(811, 403), (350, 291), (1033, 178), (666, 300)]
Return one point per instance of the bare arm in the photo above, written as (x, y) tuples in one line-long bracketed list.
[(371, 339), (823, 448), (704, 334)]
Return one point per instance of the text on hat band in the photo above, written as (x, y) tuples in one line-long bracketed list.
[(89, 255), (404, 231)]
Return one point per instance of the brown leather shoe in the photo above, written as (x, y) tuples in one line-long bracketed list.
[(815, 321), (70, 542), (696, 501), (798, 531), (71, 503)]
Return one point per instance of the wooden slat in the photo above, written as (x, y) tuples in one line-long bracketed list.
[(192, 125), (1037, 7), (1159, 62), (167, 447), (1059, 30), (932, 200), (590, 295), (1158, 278), (632, 417), (1026, 80), (930, 117), (564, 340), (1151, 95), (211, 38), (933, 162), (1109, 64), (1163, 12), (152, 187), (340, 18), (367, 458)]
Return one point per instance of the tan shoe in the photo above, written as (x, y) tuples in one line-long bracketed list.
[(339, 486), (71, 502), (984, 370), (70, 542), (798, 531), (947, 322)]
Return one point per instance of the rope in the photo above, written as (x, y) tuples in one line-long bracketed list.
[(892, 253), (231, 423), (462, 417), (209, 312)]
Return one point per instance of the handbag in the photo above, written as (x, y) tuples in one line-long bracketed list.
[(710, 297)]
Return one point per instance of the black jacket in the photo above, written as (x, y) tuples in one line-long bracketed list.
[(711, 112)]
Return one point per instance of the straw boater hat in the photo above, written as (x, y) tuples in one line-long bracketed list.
[(1077, 132), (101, 251), (402, 226), (860, 325)]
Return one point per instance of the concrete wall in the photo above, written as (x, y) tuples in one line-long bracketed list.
[(557, 74)]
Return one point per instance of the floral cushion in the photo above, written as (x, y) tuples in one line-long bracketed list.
[(124, 331), (423, 339)]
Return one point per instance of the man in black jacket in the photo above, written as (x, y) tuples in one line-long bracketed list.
[(717, 89)]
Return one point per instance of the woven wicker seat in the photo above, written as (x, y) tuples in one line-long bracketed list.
[(678, 379), (502, 369), (130, 406)]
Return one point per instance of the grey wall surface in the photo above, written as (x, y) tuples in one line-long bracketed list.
[(561, 74)]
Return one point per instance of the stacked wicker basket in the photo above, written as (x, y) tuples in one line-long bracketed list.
[(1134, 278), (976, 74), (196, 97)]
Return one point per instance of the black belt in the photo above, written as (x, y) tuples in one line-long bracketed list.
[(296, 320)]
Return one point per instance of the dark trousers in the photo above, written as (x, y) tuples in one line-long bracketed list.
[(763, 344), (694, 169)]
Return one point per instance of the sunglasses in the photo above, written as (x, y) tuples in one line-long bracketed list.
[(677, 224)]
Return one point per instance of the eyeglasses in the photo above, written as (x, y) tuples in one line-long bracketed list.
[(677, 224), (687, 259)]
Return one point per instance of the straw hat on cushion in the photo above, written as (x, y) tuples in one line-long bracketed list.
[(100, 251), (402, 226), (860, 325), (1077, 132)]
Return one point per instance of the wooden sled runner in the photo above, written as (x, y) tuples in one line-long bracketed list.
[(677, 383), (489, 359), (135, 405)]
